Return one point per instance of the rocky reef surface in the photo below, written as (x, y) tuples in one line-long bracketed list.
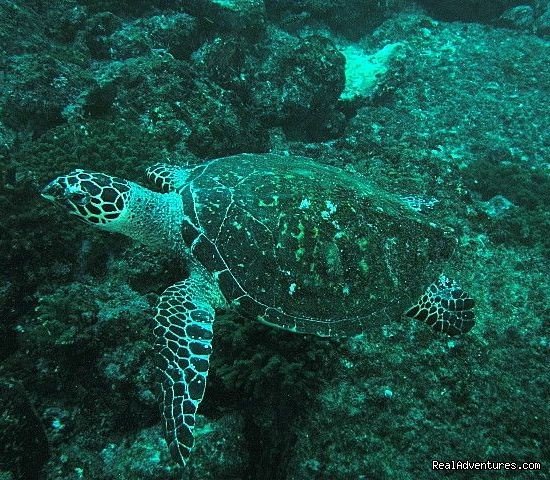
[(445, 103)]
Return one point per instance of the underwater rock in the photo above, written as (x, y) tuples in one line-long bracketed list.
[(289, 81), (295, 83), (21, 30), (136, 456), (41, 90), (222, 59), (467, 10), (365, 74), (64, 19), (497, 206), (542, 24), (7, 139), (220, 454), (23, 443), (171, 100), (352, 18), (174, 34), (126, 8), (220, 450), (97, 32), (244, 16), (37, 78), (518, 18)]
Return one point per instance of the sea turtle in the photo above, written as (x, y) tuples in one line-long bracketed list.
[(295, 244)]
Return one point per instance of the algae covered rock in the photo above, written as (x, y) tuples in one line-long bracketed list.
[(23, 443)]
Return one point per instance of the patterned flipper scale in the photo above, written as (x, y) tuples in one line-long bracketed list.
[(183, 333), (445, 307)]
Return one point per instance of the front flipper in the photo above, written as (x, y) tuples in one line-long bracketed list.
[(183, 331), (169, 178), (445, 307)]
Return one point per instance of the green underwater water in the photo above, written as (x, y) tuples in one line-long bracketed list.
[(440, 103)]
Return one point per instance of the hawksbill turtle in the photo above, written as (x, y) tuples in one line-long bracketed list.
[(282, 239)]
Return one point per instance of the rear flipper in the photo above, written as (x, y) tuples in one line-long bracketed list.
[(445, 307)]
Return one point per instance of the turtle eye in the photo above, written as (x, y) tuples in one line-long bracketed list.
[(78, 197)]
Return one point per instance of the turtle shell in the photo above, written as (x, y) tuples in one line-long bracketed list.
[(308, 247)]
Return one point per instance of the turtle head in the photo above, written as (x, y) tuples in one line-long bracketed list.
[(118, 205), (95, 198)]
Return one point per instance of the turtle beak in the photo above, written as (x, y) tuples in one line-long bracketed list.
[(54, 191), (69, 198)]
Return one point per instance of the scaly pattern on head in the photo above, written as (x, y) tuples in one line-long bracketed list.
[(95, 198)]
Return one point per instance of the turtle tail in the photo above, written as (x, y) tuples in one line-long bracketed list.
[(445, 307)]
